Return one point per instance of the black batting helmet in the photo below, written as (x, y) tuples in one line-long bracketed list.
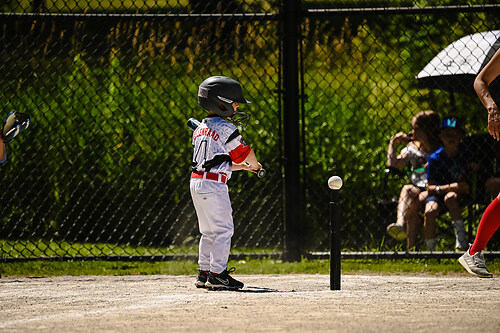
[(218, 93)]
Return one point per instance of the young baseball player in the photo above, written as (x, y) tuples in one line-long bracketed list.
[(473, 259), (218, 151)]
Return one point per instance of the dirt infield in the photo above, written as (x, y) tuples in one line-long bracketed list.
[(268, 303)]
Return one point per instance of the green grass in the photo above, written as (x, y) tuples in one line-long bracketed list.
[(266, 266)]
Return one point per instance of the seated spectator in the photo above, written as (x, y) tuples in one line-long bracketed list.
[(420, 144), (446, 173)]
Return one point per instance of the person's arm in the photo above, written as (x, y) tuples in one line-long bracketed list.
[(394, 160), (434, 167), (481, 86), (250, 163), (3, 158), (458, 187)]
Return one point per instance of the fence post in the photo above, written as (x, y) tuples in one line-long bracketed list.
[(290, 20)]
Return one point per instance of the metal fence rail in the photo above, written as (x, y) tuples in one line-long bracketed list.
[(103, 170)]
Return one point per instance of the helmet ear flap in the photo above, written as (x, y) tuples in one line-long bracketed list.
[(226, 109), (221, 106)]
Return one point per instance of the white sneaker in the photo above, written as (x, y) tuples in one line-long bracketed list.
[(396, 231), (475, 264)]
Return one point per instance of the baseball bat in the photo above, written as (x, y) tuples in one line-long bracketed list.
[(193, 124)]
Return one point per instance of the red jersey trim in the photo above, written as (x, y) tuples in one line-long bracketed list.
[(239, 154)]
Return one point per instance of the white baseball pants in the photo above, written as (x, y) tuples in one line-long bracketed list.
[(215, 221)]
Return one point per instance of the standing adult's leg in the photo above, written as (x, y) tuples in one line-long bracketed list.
[(490, 221)]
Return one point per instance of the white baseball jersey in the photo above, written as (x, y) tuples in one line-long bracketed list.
[(217, 143)]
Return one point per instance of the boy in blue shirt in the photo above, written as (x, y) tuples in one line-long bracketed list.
[(446, 182)]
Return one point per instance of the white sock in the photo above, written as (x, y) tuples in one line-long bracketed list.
[(461, 242)]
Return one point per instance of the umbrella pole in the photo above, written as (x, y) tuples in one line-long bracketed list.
[(453, 103)]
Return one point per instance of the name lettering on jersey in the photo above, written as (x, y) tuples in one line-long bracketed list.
[(206, 132)]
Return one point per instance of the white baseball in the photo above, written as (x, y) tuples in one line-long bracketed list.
[(335, 182)]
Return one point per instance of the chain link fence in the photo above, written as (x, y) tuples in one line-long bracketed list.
[(103, 170), (360, 88)]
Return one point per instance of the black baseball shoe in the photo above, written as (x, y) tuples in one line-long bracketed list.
[(223, 281), (201, 279)]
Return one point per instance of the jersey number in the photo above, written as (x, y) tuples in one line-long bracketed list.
[(201, 154)]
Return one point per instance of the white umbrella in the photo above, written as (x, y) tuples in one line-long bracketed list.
[(456, 67)]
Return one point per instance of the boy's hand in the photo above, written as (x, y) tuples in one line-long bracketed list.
[(255, 170), (260, 172), (400, 137)]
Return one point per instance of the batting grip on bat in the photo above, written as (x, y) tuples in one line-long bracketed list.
[(193, 124)]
